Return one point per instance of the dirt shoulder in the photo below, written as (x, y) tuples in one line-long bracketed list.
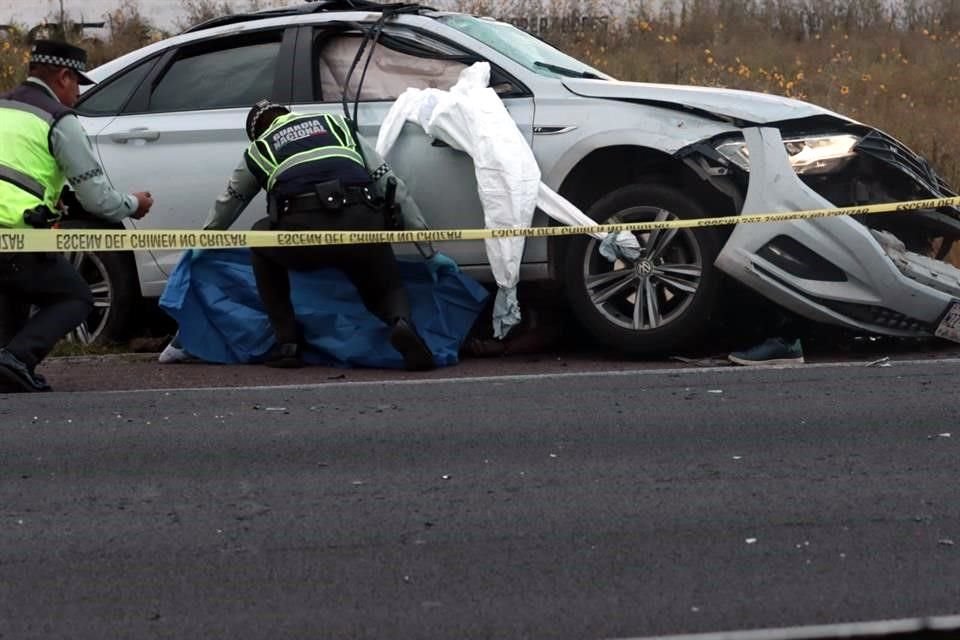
[(142, 371)]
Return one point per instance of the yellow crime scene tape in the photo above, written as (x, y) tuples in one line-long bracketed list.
[(24, 240)]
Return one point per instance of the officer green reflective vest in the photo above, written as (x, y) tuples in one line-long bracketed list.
[(29, 174), (294, 141)]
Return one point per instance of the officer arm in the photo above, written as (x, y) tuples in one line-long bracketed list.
[(71, 148), (241, 188), (381, 172)]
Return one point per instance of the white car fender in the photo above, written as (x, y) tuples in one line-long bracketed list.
[(666, 133)]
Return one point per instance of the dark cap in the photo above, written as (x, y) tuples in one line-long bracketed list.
[(61, 54), (257, 111)]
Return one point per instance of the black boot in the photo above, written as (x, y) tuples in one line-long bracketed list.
[(416, 354), (284, 355), (16, 377)]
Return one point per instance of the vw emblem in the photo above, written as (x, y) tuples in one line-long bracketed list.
[(644, 268)]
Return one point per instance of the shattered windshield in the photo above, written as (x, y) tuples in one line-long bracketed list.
[(523, 48)]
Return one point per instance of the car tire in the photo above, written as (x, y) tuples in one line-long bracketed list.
[(662, 302), (112, 277)]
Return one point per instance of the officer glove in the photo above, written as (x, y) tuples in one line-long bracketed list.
[(438, 264)]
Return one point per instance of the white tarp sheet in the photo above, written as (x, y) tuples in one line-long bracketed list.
[(471, 118)]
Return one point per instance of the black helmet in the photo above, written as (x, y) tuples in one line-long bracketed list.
[(259, 110)]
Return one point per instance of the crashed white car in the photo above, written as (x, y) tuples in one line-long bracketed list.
[(169, 118)]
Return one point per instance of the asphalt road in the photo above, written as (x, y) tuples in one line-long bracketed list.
[(593, 505)]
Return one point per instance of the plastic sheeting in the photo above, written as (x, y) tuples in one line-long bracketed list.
[(472, 118), (213, 296)]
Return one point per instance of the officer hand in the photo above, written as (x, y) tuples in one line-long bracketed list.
[(439, 264), (144, 202)]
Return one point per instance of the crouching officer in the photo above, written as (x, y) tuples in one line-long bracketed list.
[(44, 147), (314, 171)]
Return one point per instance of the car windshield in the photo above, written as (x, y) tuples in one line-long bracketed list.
[(523, 48)]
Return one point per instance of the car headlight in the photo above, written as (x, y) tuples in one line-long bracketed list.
[(810, 155)]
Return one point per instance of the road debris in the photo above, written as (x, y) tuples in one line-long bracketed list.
[(751, 540), (947, 542), (703, 362), (882, 362)]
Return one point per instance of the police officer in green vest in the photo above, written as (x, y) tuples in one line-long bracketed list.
[(44, 148), (315, 171)]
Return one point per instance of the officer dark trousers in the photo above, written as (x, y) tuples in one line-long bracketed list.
[(50, 283), (372, 268)]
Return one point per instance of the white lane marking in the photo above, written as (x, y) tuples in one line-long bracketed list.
[(849, 631), (534, 377)]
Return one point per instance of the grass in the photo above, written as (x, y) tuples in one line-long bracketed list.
[(66, 348)]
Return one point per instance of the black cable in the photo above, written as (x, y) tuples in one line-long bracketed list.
[(372, 33), (377, 30), (353, 67)]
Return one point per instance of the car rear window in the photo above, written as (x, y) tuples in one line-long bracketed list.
[(232, 77), (110, 97)]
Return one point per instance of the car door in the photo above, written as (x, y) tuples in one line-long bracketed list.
[(441, 179), (182, 132)]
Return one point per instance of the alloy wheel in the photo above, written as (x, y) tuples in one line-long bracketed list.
[(94, 273), (658, 287)]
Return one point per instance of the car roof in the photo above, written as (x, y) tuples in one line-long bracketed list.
[(312, 6), (352, 10)]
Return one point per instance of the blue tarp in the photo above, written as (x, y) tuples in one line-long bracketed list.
[(213, 296)]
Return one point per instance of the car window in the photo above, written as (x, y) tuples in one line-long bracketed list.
[(521, 47), (235, 76), (110, 97), (391, 72)]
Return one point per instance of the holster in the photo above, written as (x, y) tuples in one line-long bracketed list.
[(392, 214), (331, 194), (41, 217), (273, 208)]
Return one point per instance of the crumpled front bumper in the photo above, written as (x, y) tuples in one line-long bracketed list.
[(885, 289)]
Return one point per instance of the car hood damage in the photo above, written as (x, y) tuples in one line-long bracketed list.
[(745, 107)]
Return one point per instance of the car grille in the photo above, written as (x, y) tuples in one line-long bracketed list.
[(872, 315), (877, 316)]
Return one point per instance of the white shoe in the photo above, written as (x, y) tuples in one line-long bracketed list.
[(172, 354)]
